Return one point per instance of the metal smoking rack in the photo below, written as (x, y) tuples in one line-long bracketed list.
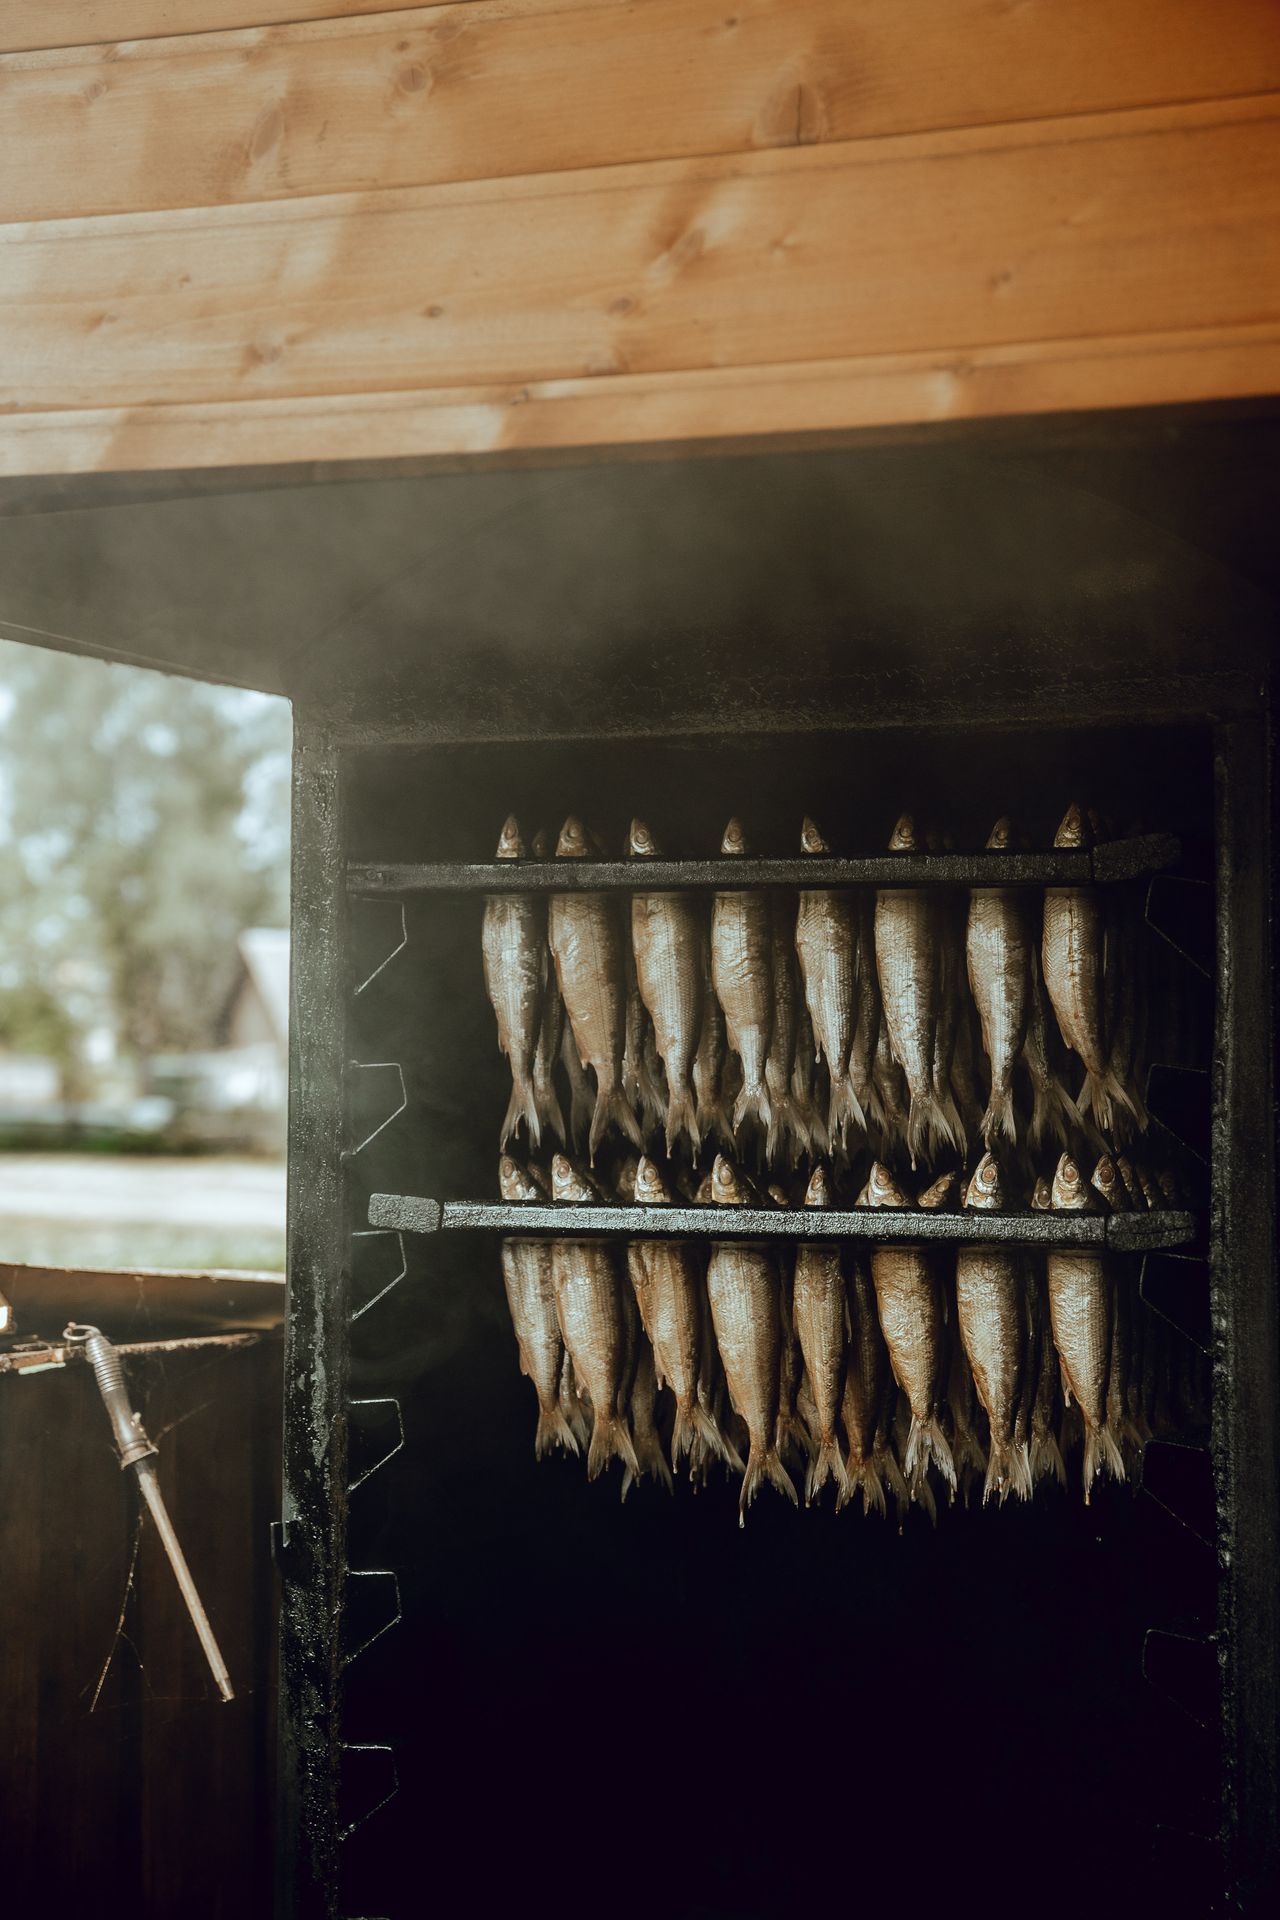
[(1137, 857)]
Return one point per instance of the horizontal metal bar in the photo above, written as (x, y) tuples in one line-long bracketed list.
[(1062, 866), (1122, 1232)]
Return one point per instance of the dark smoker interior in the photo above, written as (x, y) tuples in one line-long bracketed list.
[(640, 1709)]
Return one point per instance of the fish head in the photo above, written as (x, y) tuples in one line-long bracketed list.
[(728, 1188), (935, 1198), (903, 838), (513, 1182), (882, 1190), (568, 1184), (986, 1189), (1001, 835), (1105, 1179), (818, 1193), (778, 1194), (735, 838), (706, 1190), (812, 839), (1042, 1195), (574, 842), (1074, 830), (651, 1188), (641, 842), (1070, 1194), (624, 1179), (541, 844), (510, 843)]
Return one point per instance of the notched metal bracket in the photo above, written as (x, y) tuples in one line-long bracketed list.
[(371, 1607), (1185, 1669), (378, 1066), (364, 1437), (387, 958), (381, 1233), (368, 1779)]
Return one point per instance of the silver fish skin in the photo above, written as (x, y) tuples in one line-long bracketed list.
[(820, 1310), (1055, 1118), (550, 1032), (868, 1393), (591, 1306), (1080, 1311), (643, 1401), (909, 1300), (787, 1131), (713, 1107), (513, 944), (668, 936), (1045, 1453), (531, 1300), (998, 943), (671, 1292), (742, 975), (585, 935), (909, 965), (892, 1100), (1072, 953), (827, 939), (743, 1287), (868, 1021), (991, 1310)]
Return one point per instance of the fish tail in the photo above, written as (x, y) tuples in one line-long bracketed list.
[(654, 1461), (610, 1440), (921, 1493), (550, 1112), (792, 1437), (753, 1104), (695, 1433), (846, 1110), (1046, 1459), (763, 1464), (786, 1119), (998, 1117), (612, 1109), (868, 1479), (1100, 1450), (553, 1431), (1055, 1117), (933, 1123), (925, 1442), (522, 1106), (827, 1465), (682, 1118), (1008, 1471)]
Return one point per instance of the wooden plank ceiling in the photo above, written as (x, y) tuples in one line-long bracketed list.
[(242, 231)]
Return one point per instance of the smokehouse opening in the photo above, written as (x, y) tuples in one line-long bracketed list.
[(642, 1706)]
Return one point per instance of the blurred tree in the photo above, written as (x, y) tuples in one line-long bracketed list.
[(143, 827)]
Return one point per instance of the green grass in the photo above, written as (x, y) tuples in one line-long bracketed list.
[(125, 1244)]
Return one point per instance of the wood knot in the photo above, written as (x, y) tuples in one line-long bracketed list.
[(622, 305), (413, 77)]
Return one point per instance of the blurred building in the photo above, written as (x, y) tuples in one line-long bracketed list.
[(236, 1094)]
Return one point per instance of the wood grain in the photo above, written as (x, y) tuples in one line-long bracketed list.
[(1161, 220), (493, 88), (55, 23), (711, 408)]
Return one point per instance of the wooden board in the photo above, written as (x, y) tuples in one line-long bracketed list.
[(55, 23), (510, 87), (1060, 230)]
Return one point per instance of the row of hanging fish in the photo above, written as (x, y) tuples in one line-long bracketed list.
[(917, 1023), (885, 1369)]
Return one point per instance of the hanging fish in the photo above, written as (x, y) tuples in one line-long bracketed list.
[(513, 944), (591, 1305), (910, 1305), (743, 1288), (671, 1290), (788, 1136), (713, 1106), (891, 1102), (998, 944), (827, 937), (531, 1299), (1080, 1308), (910, 942), (869, 1393), (742, 974), (1073, 944), (1055, 1118), (585, 936), (991, 1309), (821, 1314)]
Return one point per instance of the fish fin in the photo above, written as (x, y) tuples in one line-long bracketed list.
[(925, 1442), (522, 1106), (846, 1110), (695, 1433), (1046, 1459), (683, 1118), (553, 1431), (609, 1438), (753, 1104), (827, 1465), (1108, 1098), (921, 1493), (1100, 1450), (1008, 1471), (932, 1125), (654, 1461), (550, 1112), (999, 1117), (868, 1478), (793, 1437), (763, 1464), (612, 1109), (786, 1121), (1055, 1117)]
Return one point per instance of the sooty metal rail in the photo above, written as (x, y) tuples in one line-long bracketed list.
[(1118, 1233), (1115, 860)]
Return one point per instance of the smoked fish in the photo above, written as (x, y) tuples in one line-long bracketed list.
[(743, 1288), (1073, 947), (742, 974), (513, 943), (910, 943), (909, 1300), (591, 1306), (668, 938), (586, 939), (1080, 1309), (821, 1315), (827, 941), (671, 1292), (998, 944), (992, 1314), (531, 1299)]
